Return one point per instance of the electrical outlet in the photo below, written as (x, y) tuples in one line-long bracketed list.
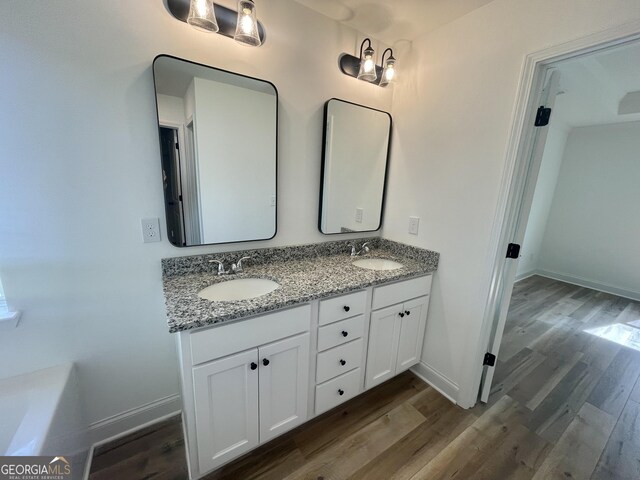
[(359, 213), (414, 223), (150, 230)]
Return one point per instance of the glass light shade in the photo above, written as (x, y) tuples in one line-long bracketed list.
[(389, 72), (367, 66), (202, 16), (247, 26)]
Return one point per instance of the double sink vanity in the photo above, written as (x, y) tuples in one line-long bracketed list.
[(270, 338), (298, 331)]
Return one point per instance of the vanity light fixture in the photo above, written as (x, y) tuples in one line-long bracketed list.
[(367, 70), (388, 69), (202, 16), (365, 67), (242, 26), (247, 24)]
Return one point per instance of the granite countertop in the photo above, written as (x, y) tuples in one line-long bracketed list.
[(304, 273)]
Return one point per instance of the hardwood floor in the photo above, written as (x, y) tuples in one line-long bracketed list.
[(565, 404)]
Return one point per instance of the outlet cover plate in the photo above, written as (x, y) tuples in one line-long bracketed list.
[(414, 224), (150, 230)]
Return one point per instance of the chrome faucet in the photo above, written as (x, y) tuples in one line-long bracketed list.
[(363, 250), (221, 270), (237, 267)]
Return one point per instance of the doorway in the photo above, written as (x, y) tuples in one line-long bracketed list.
[(565, 331), (538, 217)]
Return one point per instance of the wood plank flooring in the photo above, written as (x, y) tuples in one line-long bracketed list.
[(565, 403)]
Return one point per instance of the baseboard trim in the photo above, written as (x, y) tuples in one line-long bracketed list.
[(524, 276), (584, 282), (122, 424), (438, 381)]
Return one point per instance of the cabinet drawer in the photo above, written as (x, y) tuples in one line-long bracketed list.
[(339, 360), (399, 292), (234, 337), (338, 390), (340, 332), (345, 306)]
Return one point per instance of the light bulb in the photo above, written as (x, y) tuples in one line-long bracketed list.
[(369, 65), (202, 16), (246, 23)]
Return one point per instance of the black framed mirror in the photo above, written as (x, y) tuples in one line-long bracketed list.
[(355, 157), (218, 145)]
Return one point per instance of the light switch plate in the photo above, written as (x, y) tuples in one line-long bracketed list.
[(150, 230), (414, 223), (359, 213)]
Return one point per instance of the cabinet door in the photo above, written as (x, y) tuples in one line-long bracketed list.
[(284, 385), (226, 407), (412, 326), (384, 332)]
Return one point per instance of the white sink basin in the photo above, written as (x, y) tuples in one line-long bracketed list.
[(238, 289), (377, 264)]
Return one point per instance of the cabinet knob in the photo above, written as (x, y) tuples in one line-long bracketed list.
[(343, 362), (408, 312), (345, 333), (401, 314), (254, 365), (265, 362), (340, 392), (346, 308)]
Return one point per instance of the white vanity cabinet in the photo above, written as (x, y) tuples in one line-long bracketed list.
[(246, 382), (396, 332), (235, 401)]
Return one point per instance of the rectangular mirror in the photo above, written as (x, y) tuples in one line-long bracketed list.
[(218, 145), (354, 167)]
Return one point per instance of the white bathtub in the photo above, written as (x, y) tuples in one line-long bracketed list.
[(40, 414)]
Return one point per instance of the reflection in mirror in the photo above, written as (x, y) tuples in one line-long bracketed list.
[(354, 167), (218, 141)]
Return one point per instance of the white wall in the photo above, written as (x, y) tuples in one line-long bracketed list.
[(236, 166), (171, 109), (593, 231), (542, 198), (453, 113), (81, 165)]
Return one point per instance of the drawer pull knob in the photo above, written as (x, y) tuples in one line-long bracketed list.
[(346, 308), (265, 362), (401, 314), (343, 362), (254, 365), (408, 312), (340, 392), (345, 333)]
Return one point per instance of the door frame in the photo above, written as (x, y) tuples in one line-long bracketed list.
[(512, 186)]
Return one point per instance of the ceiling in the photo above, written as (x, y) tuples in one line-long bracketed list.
[(394, 20), (595, 84)]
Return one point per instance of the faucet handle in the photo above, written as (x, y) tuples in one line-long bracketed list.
[(365, 247), (353, 249), (221, 270), (237, 267)]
